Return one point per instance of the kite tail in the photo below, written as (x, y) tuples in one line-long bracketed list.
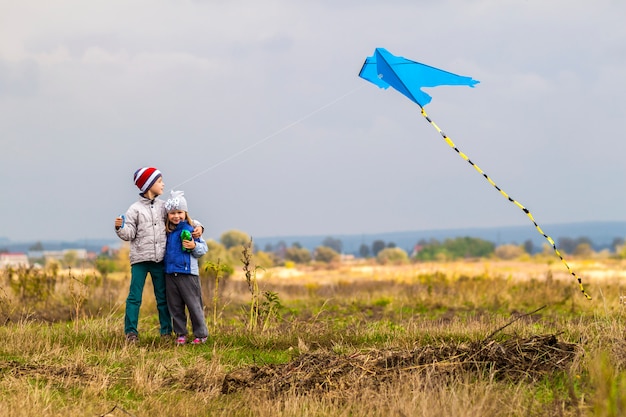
[(524, 209)]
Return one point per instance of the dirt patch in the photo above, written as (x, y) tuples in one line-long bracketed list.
[(60, 374), (326, 372)]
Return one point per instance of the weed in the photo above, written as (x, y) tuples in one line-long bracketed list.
[(6, 307), (32, 285), (262, 310), (609, 399), (269, 309), (219, 270), (78, 293)]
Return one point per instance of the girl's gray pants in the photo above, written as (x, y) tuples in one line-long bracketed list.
[(183, 290)]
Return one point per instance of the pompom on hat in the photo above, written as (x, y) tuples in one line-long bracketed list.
[(176, 201), (146, 177)]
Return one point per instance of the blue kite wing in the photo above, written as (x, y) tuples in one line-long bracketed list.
[(408, 77), (369, 72)]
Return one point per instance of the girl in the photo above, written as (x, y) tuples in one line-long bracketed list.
[(182, 280)]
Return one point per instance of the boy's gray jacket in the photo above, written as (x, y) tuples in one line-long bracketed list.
[(144, 228)]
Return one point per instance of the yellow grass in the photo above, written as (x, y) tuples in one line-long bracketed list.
[(77, 366)]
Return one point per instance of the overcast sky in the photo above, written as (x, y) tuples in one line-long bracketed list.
[(255, 110)]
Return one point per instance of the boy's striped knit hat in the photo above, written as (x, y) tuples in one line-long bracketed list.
[(146, 177)]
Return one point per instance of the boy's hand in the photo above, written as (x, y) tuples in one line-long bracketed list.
[(197, 232), (118, 222)]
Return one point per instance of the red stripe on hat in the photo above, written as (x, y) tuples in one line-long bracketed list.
[(153, 178), (144, 176)]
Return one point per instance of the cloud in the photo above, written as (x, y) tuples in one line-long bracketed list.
[(258, 110)]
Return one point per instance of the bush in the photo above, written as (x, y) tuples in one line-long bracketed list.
[(392, 256), (325, 254), (509, 252)]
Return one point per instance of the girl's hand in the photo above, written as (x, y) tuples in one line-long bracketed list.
[(189, 244)]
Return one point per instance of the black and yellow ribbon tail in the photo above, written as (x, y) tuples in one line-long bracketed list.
[(508, 197)]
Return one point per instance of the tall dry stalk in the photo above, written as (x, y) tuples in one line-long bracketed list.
[(263, 307), (249, 270), (6, 307), (218, 269), (218, 275), (78, 294)]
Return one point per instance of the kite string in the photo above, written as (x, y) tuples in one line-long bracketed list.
[(265, 139), (524, 209)]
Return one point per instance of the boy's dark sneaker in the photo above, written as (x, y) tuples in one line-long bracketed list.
[(132, 338)]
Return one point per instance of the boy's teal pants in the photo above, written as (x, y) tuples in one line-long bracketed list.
[(138, 274)]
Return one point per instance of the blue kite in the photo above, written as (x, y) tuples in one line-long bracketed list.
[(409, 77)]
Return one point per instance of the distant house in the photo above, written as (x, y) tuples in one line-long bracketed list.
[(13, 260), (416, 249), (59, 255), (347, 258)]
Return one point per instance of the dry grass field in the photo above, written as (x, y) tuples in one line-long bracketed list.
[(481, 337)]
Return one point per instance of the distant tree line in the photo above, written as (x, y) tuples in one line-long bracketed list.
[(450, 249), (227, 252), (436, 250)]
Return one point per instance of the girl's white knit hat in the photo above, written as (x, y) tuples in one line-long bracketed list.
[(176, 201)]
